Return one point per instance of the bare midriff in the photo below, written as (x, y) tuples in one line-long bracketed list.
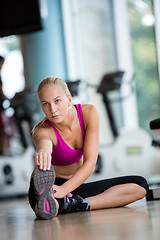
[(67, 172)]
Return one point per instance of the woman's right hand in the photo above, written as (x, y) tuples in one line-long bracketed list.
[(43, 160)]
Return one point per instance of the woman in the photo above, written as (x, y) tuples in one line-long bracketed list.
[(67, 142)]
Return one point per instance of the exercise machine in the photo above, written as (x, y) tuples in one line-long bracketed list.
[(131, 151), (17, 165), (154, 192)]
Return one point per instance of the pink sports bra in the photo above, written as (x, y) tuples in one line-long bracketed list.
[(62, 154)]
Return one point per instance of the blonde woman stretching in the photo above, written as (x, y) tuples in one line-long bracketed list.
[(66, 143)]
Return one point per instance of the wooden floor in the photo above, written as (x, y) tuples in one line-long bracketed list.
[(137, 221)]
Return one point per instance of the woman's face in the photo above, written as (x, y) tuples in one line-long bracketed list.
[(54, 102)]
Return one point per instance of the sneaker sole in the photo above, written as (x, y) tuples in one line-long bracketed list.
[(43, 182)]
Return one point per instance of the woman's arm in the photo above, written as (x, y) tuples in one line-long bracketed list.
[(91, 122), (43, 143)]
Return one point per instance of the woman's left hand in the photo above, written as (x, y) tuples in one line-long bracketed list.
[(59, 191)]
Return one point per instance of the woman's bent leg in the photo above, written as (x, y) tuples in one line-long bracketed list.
[(117, 196), (114, 192)]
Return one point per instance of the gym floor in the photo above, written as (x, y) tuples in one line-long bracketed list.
[(137, 221)]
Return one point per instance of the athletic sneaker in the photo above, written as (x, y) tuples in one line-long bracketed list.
[(43, 182), (75, 203)]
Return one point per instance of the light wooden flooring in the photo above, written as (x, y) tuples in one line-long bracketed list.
[(137, 221)]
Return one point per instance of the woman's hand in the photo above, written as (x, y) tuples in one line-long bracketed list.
[(43, 160), (59, 191)]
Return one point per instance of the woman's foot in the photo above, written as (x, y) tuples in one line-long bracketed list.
[(43, 182), (75, 203)]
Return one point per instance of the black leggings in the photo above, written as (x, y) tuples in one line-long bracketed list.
[(93, 188)]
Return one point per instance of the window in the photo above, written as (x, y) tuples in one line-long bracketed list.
[(90, 49), (144, 54), (12, 71)]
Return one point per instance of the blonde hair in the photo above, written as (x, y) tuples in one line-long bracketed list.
[(50, 81)]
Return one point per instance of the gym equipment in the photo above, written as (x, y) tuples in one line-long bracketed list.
[(74, 87), (111, 81), (17, 165), (15, 173), (154, 193), (131, 152), (155, 128)]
